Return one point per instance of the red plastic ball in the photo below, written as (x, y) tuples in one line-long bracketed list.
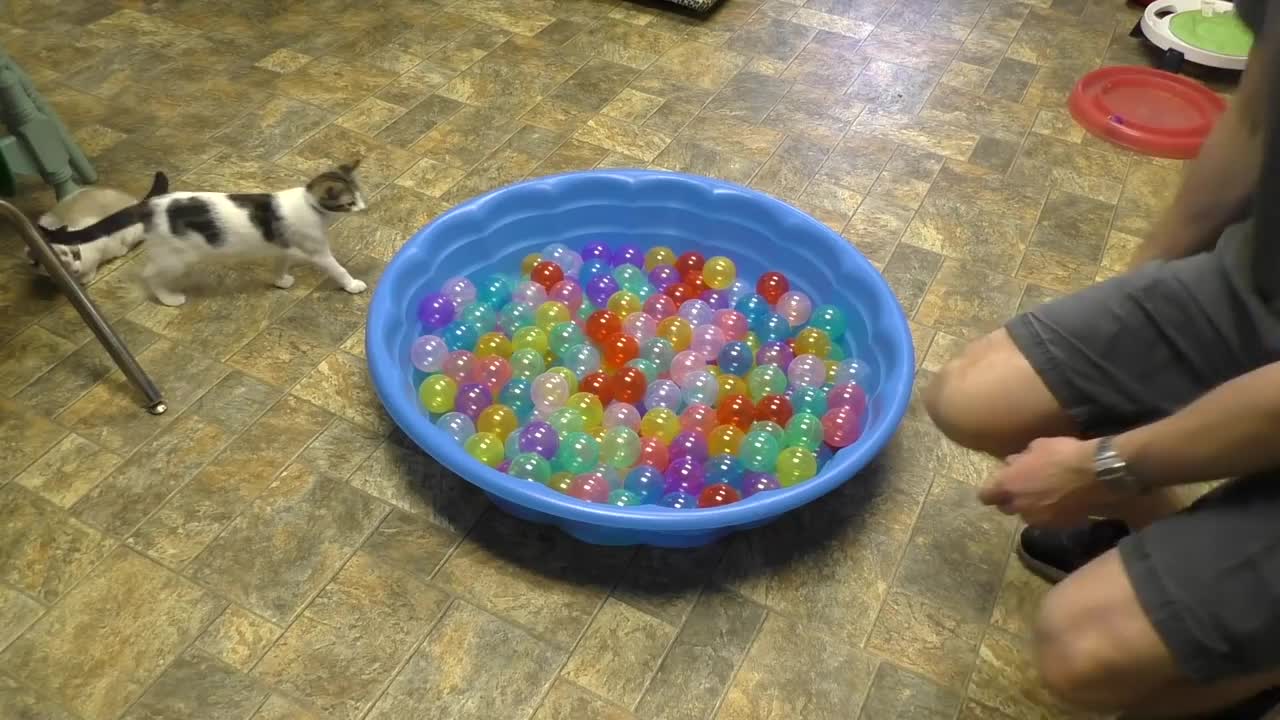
[(774, 407), (791, 345), (618, 349), (602, 324), (717, 495), (773, 285), (679, 292), (546, 274), (654, 452), (689, 262), (629, 385), (736, 410), (598, 384), (694, 280)]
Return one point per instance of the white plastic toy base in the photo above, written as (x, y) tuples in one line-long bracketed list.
[(1155, 25)]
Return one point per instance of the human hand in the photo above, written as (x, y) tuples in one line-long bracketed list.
[(1052, 482)]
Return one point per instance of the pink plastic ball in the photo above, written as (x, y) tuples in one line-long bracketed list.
[(460, 290), (848, 395), (698, 418), (841, 426), (620, 414), (807, 371), (779, 354), (696, 312), (529, 292), (641, 326), (459, 365), (732, 323), (686, 362), (567, 291), (708, 339), (796, 307), (428, 353), (592, 487), (659, 306), (493, 371)]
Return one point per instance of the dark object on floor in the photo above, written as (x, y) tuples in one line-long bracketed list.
[(700, 5), (1054, 553)]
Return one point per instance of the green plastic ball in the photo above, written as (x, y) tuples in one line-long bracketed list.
[(527, 364), (485, 447), (567, 420), (804, 430), (766, 380), (796, 465), (578, 453), (438, 393), (620, 447), (759, 452), (530, 466)]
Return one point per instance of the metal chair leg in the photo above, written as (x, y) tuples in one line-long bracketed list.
[(111, 342)]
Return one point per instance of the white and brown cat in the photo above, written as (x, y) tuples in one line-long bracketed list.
[(186, 229)]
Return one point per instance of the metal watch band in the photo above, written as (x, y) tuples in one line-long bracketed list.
[(1113, 472)]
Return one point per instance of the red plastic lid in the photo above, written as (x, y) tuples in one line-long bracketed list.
[(1150, 111)]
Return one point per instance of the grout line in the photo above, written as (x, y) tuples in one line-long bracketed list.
[(408, 658), (644, 690), (737, 666)]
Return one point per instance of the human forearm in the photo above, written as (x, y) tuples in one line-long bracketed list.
[(1232, 430)]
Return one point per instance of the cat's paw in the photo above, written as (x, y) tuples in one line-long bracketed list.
[(355, 287), (170, 298), (284, 282)]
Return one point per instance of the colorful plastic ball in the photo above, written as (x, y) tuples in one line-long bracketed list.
[(566, 420), (531, 338), (600, 288), (567, 291), (601, 324), (724, 468), (551, 313), (717, 495), (732, 323), (731, 385), (530, 466), (689, 261), (546, 274), (653, 451), (472, 398), (591, 487), (689, 444), (804, 430), (493, 344), (558, 253), (774, 408), (457, 426), (620, 447), (659, 351), (625, 302), (428, 353), (492, 371), (594, 267), (850, 371), (775, 353), (630, 278), (659, 306), (718, 299), (752, 340), (772, 285), (807, 371), (771, 327), (550, 390), (812, 400), (646, 482), (848, 395), (752, 307), (583, 359), (686, 362), (698, 418), (564, 336), (494, 291), (684, 474), (627, 254), (589, 405), (758, 482), (796, 307), (678, 500), (527, 364), (759, 451), (766, 380), (596, 250), (629, 384), (621, 414), (724, 440), (437, 393), (529, 292), (841, 426), (696, 312), (598, 384), (660, 422), (740, 289), (578, 453), (719, 272), (770, 428), (828, 319), (516, 394), (560, 482), (796, 465), (528, 262), (708, 339), (664, 394), (701, 387), (648, 368), (435, 311), (460, 290), (659, 255), (478, 315), (497, 419), (677, 330), (618, 349), (516, 315), (813, 341), (485, 447), (735, 358), (540, 438), (624, 498), (459, 336), (663, 276), (640, 326), (737, 410)]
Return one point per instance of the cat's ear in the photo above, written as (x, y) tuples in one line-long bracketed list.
[(351, 167)]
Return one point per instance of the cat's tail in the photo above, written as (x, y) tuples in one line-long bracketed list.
[(138, 214), (159, 186)]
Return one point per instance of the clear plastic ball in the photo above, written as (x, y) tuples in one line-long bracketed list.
[(550, 390), (807, 371), (696, 312), (457, 426), (795, 306), (708, 339), (428, 353), (664, 394), (701, 387)]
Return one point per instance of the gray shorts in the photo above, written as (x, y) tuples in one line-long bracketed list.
[(1136, 348)]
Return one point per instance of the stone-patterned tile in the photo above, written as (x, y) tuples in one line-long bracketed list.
[(665, 583), (17, 612), (412, 125), (594, 85), (199, 510), (43, 550), (901, 694), (328, 315), (1058, 123), (431, 178), (700, 159), (968, 301), (520, 19), (911, 48), (830, 68), (893, 87), (503, 167), (401, 474), (355, 634), (467, 137), (341, 385), (334, 84), (1069, 166), (560, 32), (1011, 79), (472, 666), (855, 29), (69, 470), (279, 356), (1058, 272), (802, 671), (196, 686), (697, 669), (922, 339), (749, 96), (1019, 600), (1043, 39), (715, 65), (977, 711), (965, 76), (533, 574), (238, 638), (28, 355), (284, 61), (115, 294), (411, 543), (1005, 679), (926, 639), (899, 190), (919, 131), (814, 114), (271, 130), (915, 164), (23, 703), (512, 78), (235, 402), (771, 37), (161, 465), (943, 349), (572, 155), (334, 145), (1053, 85), (288, 543), (909, 271), (971, 217), (621, 42), (417, 85), (618, 653), (857, 161), (985, 115), (129, 613), (241, 173), (278, 707), (1120, 250), (632, 106), (839, 202), (340, 448), (566, 701), (789, 171), (1035, 295), (994, 154), (623, 137), (876, 228), (1144, 197)]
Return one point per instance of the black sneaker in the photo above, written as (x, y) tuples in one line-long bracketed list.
[(1054, 554)]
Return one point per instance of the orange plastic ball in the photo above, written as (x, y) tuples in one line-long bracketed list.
[(688, 262), (546, 274), (679, 292), (653, 451), (737, 410), (629, 385), (598, 384), (618, 349), (696, 282), (724, 440), (776, 408), (601, 324)]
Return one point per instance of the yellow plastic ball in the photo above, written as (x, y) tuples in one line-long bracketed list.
[(812, 341), (753, 341), (560, 482), (832, 368), (659, 255), (625, 302), (731, 385), (493, 344), (660, 423), (796, 464), (498, 419), (437, 393), (566, 373), (551, 313), (677, 331), (589, 405), (530, 338), (719, 272), (485, 447), (724, 440), (526, 264)]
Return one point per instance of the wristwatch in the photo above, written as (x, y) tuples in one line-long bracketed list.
[(1113, 472)]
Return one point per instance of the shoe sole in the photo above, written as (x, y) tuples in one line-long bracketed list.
[(1040, 568)]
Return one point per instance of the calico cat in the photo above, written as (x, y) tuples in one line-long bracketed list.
[(86, 207), (185, 229)]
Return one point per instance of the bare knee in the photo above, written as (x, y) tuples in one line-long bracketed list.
[(955, 401)]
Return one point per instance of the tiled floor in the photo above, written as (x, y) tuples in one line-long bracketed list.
[(271, 548)]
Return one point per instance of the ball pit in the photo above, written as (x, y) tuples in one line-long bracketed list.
[(696, 391)]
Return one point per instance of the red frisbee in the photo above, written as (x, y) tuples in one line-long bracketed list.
[(1150, 111)]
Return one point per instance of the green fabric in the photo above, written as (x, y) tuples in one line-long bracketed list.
[(8, 186), (1223, 34)]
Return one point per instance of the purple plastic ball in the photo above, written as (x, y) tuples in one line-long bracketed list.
[(539, 437), (628, 255), (756, 482), (679, 500), (718, 299), (435, 311), (505, 466), (686, 475), (689, 444), (663, 275), (472, 398), (775, 353), (595, 251), (600, 288)]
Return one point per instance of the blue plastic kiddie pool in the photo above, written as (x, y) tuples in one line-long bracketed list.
[(493, 232)]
